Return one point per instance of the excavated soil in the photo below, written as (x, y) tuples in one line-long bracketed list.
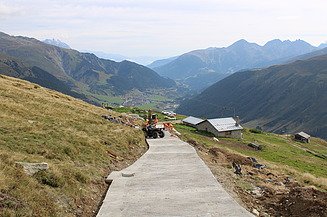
[(301, 202)]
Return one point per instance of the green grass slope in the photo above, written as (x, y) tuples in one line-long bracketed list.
[(81, 148), (306, 162), (13, 67), (282, 98)]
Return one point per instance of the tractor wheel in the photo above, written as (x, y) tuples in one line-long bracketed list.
[(155, 135), (161, 134)]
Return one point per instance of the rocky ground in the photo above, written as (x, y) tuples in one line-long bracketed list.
[(265, 192)]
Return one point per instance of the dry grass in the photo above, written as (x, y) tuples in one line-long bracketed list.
[(40, 125), (312, 180)]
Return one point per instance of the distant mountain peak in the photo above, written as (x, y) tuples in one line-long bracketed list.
[(300, 41), (3, 34), (56, 42), (242, 43), (299, 47), (322, 45), (273, 42), (286, 43)]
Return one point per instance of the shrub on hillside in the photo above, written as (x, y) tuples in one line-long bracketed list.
[(258, 131), (48, 178), (81, 177)]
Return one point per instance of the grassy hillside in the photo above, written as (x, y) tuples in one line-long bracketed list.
[(13, 67), (283, 98), (293, 183), (90, 76), (81, 148), (306, 162)]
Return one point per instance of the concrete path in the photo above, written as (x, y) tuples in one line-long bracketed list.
[(170, 179)]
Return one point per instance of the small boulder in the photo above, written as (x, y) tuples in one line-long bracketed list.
[(255, 146), (255, 212), (32, 168), (257, 192)]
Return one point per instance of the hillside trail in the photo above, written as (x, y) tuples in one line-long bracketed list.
[(170, 179)]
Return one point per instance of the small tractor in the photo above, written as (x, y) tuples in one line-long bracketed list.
[(151, 128)]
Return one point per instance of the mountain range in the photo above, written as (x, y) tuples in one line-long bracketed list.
[(107, 56), (78, 74), (56, 42), (199, 69), (143, 60), (323, 45), (15, 68), (281, 98), (158, 63)]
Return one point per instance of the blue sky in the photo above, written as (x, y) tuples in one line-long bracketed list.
[(164, 28)]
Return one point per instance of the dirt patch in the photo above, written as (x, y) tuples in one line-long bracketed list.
[(237, 145), (220, 153), (301, 202), (264, 190)]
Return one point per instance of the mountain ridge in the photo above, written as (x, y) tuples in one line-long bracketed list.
[(56, 42), (161, 62), (212, 64), (83, 73), (281, 98)]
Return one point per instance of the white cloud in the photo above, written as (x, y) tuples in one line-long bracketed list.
[(7, 10), (163, 27)]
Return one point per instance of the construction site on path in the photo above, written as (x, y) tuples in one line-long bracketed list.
[(170, 179)]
